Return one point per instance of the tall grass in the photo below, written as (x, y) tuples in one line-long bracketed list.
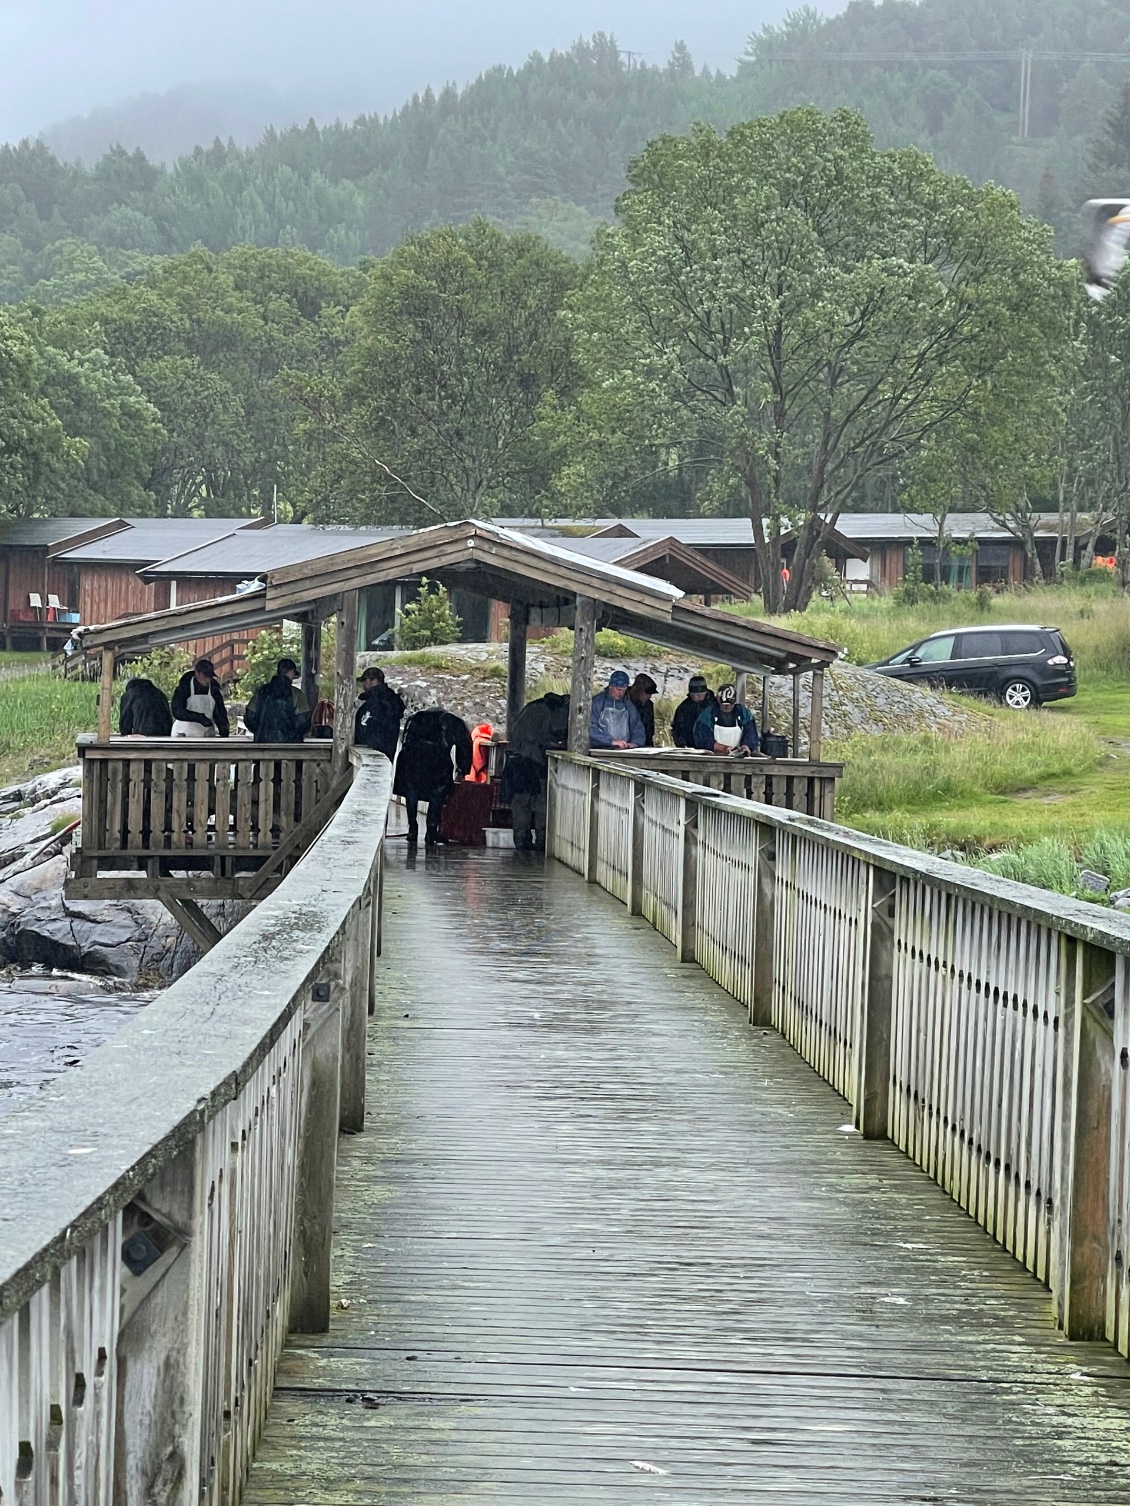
[(1054, 863), (40, 717), (916, 771)]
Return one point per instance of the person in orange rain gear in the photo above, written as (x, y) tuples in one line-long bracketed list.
[(481, 738)]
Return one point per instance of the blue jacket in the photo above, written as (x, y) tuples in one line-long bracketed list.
[(704, 727), (604, 708)]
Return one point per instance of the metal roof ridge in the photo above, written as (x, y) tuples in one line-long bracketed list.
[(550, 548)]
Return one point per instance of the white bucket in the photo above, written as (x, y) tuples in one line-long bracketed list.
[(498, 836)]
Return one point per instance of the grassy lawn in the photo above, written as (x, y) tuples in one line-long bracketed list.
[(40, 717)]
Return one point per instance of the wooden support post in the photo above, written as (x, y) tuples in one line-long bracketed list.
[(635, 850), (317, 1162), (764, 911), (592, 828), (816, 716), (687, 924), (794, 745), (311, 661), (764, 704), (355, 970), (873, 1056), (1082, 1191), (345, 689), (191, 919), (516, 662), (106, 696), (584, 656), (740, 685), (161, 1351)]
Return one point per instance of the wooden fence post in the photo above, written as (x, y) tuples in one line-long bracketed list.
[(765, 906), (635, 849), (873, 1037), (355, 974), (687, 922), (317, 1162), (592, 827), (345, 681), (1082, 1192), (161, 1351)]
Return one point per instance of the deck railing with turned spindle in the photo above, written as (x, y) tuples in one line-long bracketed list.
[(167, 1207), (982, 1025), (227, 817)]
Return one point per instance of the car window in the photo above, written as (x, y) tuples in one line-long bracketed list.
[(979, 646), (935, 650), (1062, 641), (906, 654), (1020, 643)]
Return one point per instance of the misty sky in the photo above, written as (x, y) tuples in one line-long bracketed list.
[(60, 58)]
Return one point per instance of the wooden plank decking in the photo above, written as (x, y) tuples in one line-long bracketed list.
[(599, 1228)]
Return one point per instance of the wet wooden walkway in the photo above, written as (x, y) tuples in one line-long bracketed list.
[(603, 1241)]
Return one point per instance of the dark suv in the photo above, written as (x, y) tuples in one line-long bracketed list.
[(1019, 664)]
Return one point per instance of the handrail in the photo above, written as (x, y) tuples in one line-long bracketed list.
[(981, 1024), (208, 1124)]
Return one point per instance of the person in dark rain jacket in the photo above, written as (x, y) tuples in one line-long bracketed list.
[(424, 768)]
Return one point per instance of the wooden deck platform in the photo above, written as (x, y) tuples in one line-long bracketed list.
[(601, 1240)]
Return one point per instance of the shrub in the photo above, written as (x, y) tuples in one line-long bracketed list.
[(164, 666), (429, 620)]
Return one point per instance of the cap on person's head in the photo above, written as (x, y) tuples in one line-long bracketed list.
[(372, 673), (697, 685), (204, 667), (284, 664), (644, 684), (618, 680), (727, 694)]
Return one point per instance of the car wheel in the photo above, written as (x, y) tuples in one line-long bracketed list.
[(1020, 695)]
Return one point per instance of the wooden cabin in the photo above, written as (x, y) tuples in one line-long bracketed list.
[(39, 591)]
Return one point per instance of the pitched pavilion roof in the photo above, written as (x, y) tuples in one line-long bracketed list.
[(245, 555), (494, 561)]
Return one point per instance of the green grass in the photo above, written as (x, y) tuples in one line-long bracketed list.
[(40, 717), (9, 658)]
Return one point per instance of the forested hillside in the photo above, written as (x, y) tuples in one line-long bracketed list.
[(546, 146)]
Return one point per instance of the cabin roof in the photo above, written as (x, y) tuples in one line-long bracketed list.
[(143, 541), (244, 555)]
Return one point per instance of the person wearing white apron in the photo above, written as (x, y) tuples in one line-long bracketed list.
[(725, 727), (198, 706)]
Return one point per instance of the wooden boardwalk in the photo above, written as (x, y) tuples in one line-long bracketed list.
[(603, 1241)]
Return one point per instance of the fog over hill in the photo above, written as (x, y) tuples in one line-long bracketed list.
[(168, 77)]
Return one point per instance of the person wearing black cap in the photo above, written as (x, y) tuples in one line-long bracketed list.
[(614, 722), (377, 723), (699, 694), (726, 727), (198, 704), (640, 692), (275, 713)]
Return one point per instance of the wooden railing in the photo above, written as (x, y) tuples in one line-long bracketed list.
[(982, 1025), (793, 784), (167, 1209), (225, 817)]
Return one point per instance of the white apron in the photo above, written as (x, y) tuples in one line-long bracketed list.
[(729, 737), (203, 704)]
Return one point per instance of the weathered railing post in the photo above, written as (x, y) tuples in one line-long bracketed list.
[(764, 923), (317, 1160), (592, 827), (356, 971), (687, 921), (163, 1348), (873, 1038), (1082, 1189), (635, 849)]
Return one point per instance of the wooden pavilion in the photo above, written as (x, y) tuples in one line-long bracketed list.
[(251, 826)]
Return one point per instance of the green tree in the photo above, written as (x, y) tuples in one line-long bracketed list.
[(458, 342), (428, 621), (814, 312), (38, 458)]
